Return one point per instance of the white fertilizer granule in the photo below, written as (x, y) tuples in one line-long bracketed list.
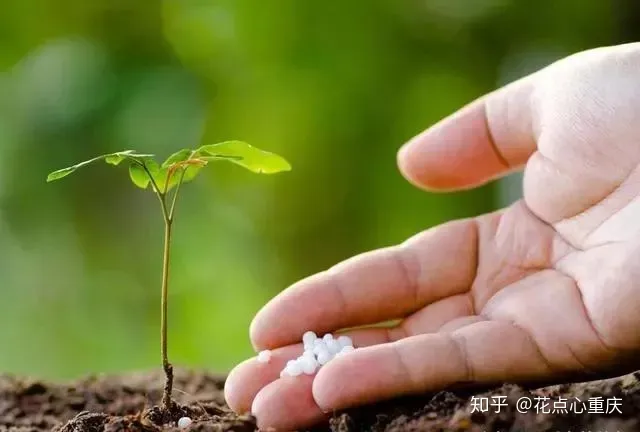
[(333, 346), (317, 353), (309, 337), (324, 357), (264, 356), (184, 422), (345, 341), (345, 350), (309, 365), (293, 368)]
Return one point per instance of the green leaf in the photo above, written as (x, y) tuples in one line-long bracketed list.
[(189, 173), (60, 173), (138, 175), (116, 158), (181, 172), (179, 156), (184, 170), (220, 157), (111, 158), (247, 156), (160, 173), (66, 171), (153, 167)]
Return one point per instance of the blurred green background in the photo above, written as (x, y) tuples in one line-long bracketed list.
[(334, 86)]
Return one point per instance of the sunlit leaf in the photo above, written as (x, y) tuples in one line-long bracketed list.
[(138, 175), (247, 156), (184, 170), (192, 169), (185, 164), (111, 158), (157, 173), (179, 156), (66, 171), (220, 157), (60, 173), (191, 172), (116, 158)]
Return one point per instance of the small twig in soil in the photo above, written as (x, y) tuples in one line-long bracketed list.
[(168, 386)]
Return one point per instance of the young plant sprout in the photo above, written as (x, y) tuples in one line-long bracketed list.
[(181, 167)]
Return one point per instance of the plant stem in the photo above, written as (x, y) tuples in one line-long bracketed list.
[(175, 195), (168, 223), (160, 194), (168, 369)]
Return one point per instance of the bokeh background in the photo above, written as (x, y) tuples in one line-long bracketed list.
[(334, 86)]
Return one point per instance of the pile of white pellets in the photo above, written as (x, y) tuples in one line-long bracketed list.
[(317, 353)]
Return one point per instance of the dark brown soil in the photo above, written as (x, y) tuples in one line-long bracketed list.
[(126, 403)]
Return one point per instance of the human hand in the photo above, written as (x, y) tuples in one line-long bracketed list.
[(546, 289)]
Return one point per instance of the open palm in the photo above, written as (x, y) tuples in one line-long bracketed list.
[(545, 289)]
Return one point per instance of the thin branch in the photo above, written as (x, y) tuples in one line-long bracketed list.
[(175, 194), (168, 369), (153, 181), (159, 194), (167, 179)]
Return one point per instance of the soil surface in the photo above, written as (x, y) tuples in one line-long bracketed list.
[(127, 403)]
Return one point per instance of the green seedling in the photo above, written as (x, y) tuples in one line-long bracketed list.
[(165, 180)]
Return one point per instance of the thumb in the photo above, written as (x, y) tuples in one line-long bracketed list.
[(487, 139)]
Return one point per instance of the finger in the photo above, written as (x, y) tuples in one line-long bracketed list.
[(247, 379), (373, 287), (287, 404), (482, 352), (433, 317), (486, 139)]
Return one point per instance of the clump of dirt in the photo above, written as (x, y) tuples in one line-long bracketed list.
[(127, 403), (606, 405), (117, 403)]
